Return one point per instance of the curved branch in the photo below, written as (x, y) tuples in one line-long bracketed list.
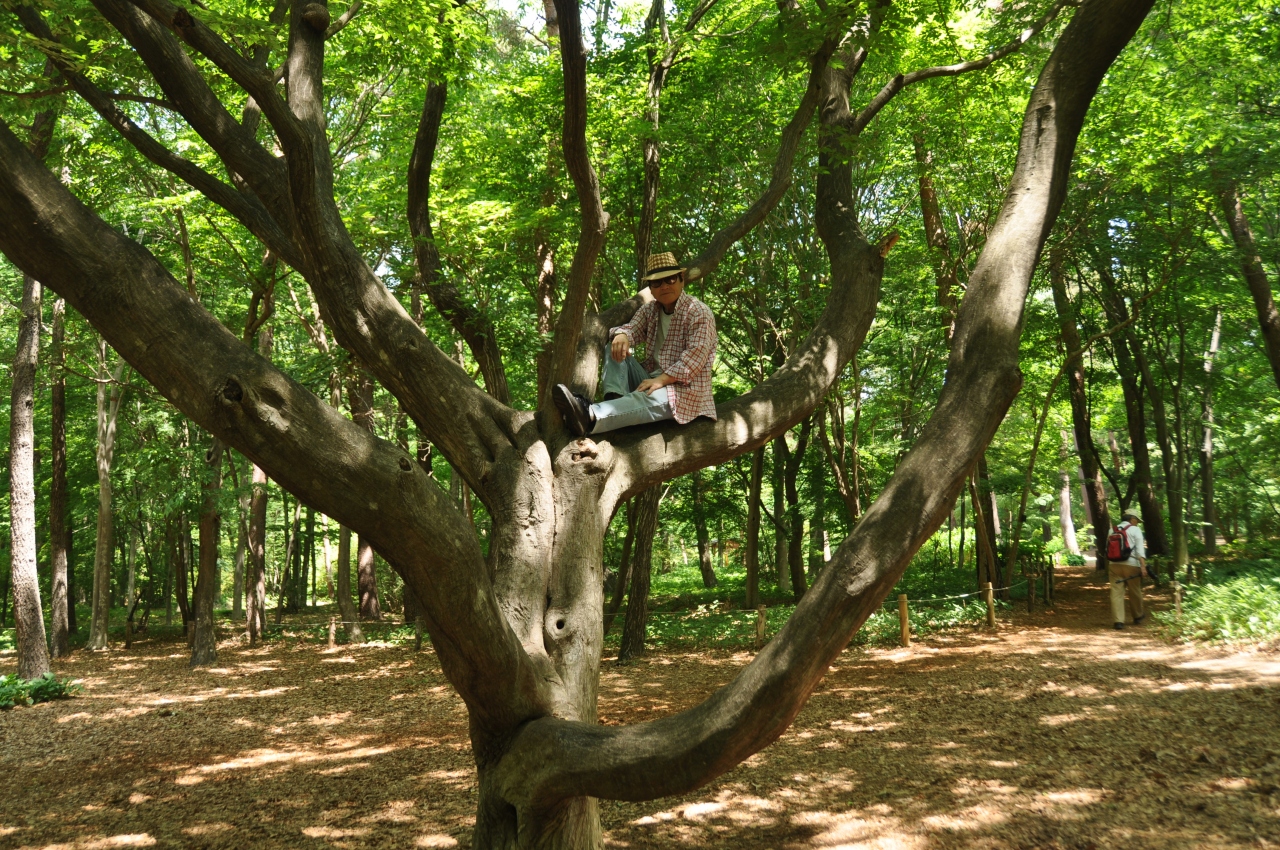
[(470, 324), (247, 210), (552, 760), (901, 81), (780, 178), (594, 220), (366, 483)]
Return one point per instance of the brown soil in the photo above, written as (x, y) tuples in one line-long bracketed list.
[(1054, 732)]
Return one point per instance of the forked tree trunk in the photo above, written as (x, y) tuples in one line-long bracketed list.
[(204, 640), (60, 603), (28, 618), (519, 630)]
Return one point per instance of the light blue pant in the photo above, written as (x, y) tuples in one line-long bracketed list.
[(633, 407)]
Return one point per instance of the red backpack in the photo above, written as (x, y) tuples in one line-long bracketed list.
[(1118, 548)]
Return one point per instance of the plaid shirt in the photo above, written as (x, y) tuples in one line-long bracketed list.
[(686, 355)]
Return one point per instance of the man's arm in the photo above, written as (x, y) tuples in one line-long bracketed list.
[(625, 335)]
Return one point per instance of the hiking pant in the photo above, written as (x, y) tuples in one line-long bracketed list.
[(1125, 577), (633, 407)]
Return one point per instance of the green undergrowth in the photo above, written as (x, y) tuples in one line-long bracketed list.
[(1238, 602), (46, 688)]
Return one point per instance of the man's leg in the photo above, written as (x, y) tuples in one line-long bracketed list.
[(1116, 575), (1134, 586), (634, 408), (622, 377)]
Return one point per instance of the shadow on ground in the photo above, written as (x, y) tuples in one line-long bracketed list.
[(1054, 732)]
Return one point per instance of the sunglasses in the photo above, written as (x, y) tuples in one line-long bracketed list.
[(666, 281)]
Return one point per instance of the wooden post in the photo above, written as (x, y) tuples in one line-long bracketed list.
[(1177, 598), (991, 606), (760, 625), (903, 620), (333, 632)]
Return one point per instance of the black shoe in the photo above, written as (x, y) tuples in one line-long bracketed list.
[(1137, 620), (574, 409), (1119, 626)]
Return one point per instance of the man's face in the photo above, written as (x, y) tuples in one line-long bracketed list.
[(667, 290)]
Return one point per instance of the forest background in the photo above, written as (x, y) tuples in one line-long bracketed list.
[(1146, 277)]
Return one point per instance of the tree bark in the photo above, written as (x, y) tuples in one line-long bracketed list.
[(28, 616), (1209, 513), (61, 603), (205, 641), (256, 601), (1066, 523), (636, 623), (935, 236), (781, 534), (1255, 275)]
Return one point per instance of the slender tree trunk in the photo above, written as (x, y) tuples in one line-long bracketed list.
[(818, 521), (205, 643), (1255, 275), (1209, 516), (256, 601), (108, 410), (242, 549), (700, 528), (1066, 523), (781, 533), (990, 523), (28, 616), (360, 399), (935, 233), (637, 621), (753, 529), (61, 602), (350, 621), (623, 577), (795, 520)]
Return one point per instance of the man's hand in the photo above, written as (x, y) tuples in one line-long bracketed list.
[(620, 348), (652, 385)]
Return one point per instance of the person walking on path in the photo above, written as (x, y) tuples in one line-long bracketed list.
[(672, 382), (1126, 575)]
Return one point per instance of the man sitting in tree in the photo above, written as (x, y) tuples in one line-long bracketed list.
[(672, 382)]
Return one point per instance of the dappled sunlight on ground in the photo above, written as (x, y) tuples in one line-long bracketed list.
[(1056, 732)]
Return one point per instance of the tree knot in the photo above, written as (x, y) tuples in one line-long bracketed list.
[(182, 20), (232, 391), (317, 15)]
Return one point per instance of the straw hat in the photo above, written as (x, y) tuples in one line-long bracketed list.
[(659, 266)]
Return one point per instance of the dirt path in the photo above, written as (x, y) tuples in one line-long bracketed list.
[(1055, 732)]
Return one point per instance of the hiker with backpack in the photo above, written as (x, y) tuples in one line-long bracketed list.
[(1126, 562)]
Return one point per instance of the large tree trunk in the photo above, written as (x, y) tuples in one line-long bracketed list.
[(61, 602), (1255, 275), (108, 411), (636, 624), (700, 529), (1095, 497), (28, 617), (205, 641), (1209, 514)]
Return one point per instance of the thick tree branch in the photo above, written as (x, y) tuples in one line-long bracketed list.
[(245, 209), (552, 759), (594, 220), (368, 484), (470, 324), (901, 81)]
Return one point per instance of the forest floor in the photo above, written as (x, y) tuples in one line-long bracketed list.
[(1053, 732)]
